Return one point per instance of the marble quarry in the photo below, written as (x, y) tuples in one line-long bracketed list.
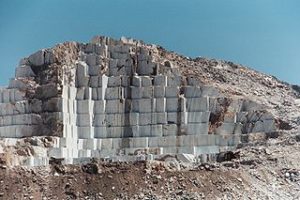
[(119, 100)]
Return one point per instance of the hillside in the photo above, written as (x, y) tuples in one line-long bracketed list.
[(121, 119)]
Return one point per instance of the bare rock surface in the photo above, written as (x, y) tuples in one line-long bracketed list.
[(120, 119)]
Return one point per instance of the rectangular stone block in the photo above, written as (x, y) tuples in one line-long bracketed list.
[(83, 120), (141, 92), (20, 107), (17, 84), (173, 81), (113, 63), (206, 150), (144, 57), (72, 93), (113, 120), (85, 132), (145, 131), (16, 120), (172, 105), (172, 92), (106, 143), (136, 92), (114, 93), (80, 94), (84, 153), (142, 105), (185, 140), (192, 92), (225, 128), (192, 80), (24, 71), (90, 144), (120, 56), (125, 81), (253, 116), (178, 150), (117, 143), (94, 94), (94, 81), (82, 78), (136, 81), (99, 120), (159, 92), (170, 130), (197, 104), (209, 91), (91, 59), (198, 117), (266, 126), (145, 119), (114, 132), (6, 96), (150, 131), (167, 141), (114, 81), (8, 131), (156, 130), (88, 93), (159, 118), (9, 109), (131, 131), (230, 117), (38, 58), (147, 92), (146, 81), (133, 119), (99, 107), (94, 70), (104, 81), (101, 93), (6, 121), (26, 130), (159, 105), (177, 118), (100, 132), (85, 106), (115, 106), (160, 80), (57, 152), (145, 68), (196, 128)]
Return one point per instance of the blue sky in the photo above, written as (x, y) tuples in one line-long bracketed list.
[(261, 34)]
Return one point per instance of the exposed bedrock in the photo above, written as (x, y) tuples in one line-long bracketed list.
[(124, 100)]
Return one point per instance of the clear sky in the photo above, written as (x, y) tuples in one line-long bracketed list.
[(261, 34)]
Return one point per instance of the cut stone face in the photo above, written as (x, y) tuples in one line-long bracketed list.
[(24, 71), (117, 99), (38, 58)]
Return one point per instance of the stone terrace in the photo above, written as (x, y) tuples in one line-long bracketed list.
[(114, 99)]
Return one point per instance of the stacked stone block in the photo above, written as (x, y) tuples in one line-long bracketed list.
[(120, 104)]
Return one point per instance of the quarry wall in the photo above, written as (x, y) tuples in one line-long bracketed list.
[(120, 99)]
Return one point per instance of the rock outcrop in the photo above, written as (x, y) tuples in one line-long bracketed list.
[(126, 100)]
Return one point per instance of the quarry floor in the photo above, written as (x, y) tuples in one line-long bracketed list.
[(262, 171)]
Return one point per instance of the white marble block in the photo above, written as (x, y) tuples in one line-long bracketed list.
[(197, 104)]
